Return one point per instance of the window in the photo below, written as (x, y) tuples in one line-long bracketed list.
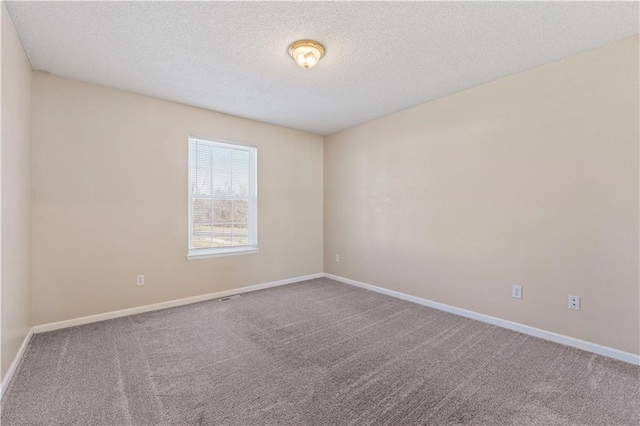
[(222, 199)]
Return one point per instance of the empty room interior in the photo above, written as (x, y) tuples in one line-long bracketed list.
[(320, 213)]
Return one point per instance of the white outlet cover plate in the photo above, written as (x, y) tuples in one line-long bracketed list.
[(573, 303), (516, 292)]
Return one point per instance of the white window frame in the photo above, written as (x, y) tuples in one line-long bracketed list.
[(202, 253)]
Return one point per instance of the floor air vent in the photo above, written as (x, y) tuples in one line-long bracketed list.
[(224, 299)]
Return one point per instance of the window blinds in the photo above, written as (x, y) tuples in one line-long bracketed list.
[(222, 196)]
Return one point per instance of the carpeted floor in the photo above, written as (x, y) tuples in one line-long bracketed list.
[(313, 353)]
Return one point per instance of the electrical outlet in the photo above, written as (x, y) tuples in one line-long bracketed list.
[(574, 303), (516, 292), (140, 280), (337, 258)]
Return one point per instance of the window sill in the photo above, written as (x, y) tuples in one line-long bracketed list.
[(207, 253)]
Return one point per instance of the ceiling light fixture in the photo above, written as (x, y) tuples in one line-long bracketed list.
[(306, 53)]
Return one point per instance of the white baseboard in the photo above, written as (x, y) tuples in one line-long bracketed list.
[(14, 365), (169, 304), (521, 328)]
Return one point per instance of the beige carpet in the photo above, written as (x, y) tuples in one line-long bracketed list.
[(313, 353)]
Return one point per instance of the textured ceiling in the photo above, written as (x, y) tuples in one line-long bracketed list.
[(380, 57)]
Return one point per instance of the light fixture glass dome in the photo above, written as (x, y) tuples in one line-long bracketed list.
[(306, 53)]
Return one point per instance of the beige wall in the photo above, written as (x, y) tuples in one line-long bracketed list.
[(15, 280), (529, 180), (110, 201)]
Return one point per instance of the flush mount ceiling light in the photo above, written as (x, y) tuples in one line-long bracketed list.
[(306, 53)]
